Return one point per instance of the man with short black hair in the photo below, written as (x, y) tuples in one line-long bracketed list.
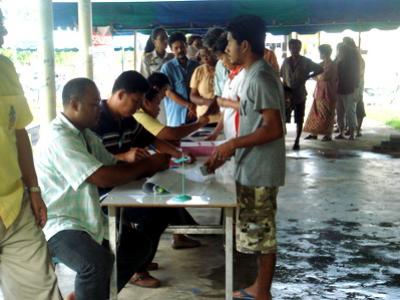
[(119, 130), (124, 137), (72, 164), (179, 110), (295, 71), (259, 151)]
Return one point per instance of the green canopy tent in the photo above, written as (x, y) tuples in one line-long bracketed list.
[(281, 16)]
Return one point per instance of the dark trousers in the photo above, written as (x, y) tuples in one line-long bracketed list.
[(93, 262), (153, 221), (180, 216)]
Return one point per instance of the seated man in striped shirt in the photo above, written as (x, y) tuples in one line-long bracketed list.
[(124, 137)]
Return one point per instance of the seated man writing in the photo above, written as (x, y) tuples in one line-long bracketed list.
[(147, 115), (121, 134), (71, 164), (124, 137)]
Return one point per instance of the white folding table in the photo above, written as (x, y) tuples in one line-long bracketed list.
[(219, 192)]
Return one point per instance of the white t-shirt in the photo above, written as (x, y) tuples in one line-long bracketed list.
[(231, 91)]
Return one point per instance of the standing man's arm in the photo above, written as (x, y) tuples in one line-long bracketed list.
[(29, 177), (170, 93), (178, 99), (282, 70), (272, 129), (314, 69)]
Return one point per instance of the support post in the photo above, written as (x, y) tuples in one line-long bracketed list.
[(285, 46), (319, 38), (228, 253), (135, 57), (85, 33), (112, 231), (122, 59), (46, 56)]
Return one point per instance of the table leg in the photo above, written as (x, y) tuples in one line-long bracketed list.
[(228, 253), (112, 225)]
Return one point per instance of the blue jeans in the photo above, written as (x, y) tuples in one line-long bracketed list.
[(93, 262)]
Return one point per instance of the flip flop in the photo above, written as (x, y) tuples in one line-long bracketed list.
[(340, 137), (311, 137), (326, 139), (243, 295)]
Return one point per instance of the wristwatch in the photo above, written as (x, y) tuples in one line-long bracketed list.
[(33, 189)]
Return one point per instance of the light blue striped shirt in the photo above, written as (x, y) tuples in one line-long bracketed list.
[(65, 159)]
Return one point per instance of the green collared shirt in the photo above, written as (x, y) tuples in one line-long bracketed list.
[(66, 158)]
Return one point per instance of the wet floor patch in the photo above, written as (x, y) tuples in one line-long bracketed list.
[(333, 154), (334, 260)]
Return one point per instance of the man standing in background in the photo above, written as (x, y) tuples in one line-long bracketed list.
[(295, 71), (179, 110)]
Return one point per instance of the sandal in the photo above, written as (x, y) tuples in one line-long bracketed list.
[(311, 137), (243, 295), (326, 139), (144, 279), (184, 243), (340, 137)]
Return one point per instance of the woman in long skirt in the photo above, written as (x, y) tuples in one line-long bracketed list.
[(322, 114)]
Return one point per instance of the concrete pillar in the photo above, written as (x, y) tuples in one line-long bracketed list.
[(285, 46), (85, 33), (135, 49), (319, 38), (46, 56), (122, 59)]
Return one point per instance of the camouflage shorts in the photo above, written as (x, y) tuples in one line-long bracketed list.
[(255, 219)]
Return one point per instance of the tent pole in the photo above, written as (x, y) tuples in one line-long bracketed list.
[(135, 57), (46, 56), (285, 45), (85, 33), (122, 59)]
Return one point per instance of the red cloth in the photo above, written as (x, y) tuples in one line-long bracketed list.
[(234, 72)]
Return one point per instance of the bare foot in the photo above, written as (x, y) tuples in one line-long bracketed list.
[(70, 296)]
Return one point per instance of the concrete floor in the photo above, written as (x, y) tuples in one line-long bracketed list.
[(338, 232)]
